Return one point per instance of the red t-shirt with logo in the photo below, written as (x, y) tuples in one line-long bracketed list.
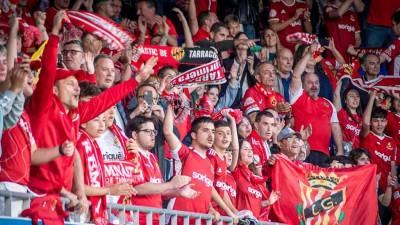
[(206, 5), (319, 113), (196, 165), (254, 100), (260, 149), (392, 55), (220, 170), (152, 174), (393, 126), (350, 128), (343, 29), (381, 11), (383, 151), (395, 206), (249, 194), (201, 35), (17, 143), (282, 12), (230, 187)]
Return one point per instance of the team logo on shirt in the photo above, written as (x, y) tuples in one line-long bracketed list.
[(389, 146), (273, 101), (321, 203)]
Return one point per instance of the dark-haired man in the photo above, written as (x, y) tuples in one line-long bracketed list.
[(192, 161), (381, 147), (264, 126)]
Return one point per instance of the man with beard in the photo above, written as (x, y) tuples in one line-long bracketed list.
[(310, 109)]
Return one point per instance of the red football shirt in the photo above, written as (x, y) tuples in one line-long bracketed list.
[(15, 159), (343, 29), (319, 113), (230, 187), (281, 12), (249, 194), (150, 33), (52, 125), (220, 170), (201, 35), (350, 128), (392, 55), (380, 12), (261, 150), (152, 174), (395, 206), (383, 151), (206, 5), (196, 165), (393, 126), (255, 100)]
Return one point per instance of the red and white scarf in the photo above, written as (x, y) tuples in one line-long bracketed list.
[(94, 177)]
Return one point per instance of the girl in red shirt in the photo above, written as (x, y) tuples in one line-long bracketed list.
[(350, 118), (251, 191)]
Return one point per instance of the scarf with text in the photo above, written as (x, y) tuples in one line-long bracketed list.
[(206, 74), (94, 176)]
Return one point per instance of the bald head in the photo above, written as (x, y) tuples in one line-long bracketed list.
[(285, 61)]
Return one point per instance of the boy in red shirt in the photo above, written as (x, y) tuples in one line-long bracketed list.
[(381, 147), (193, 161)]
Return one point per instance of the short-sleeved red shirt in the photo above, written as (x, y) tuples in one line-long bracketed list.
[(281, 12), (350, 128)]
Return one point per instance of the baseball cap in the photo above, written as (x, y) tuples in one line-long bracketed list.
[(80, 75), (287, 132)]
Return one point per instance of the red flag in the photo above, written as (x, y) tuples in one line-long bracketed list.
[(313, 195)]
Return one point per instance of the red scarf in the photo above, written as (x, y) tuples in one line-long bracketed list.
[(94, 177)]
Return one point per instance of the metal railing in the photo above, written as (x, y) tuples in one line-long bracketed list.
[(165, 215)]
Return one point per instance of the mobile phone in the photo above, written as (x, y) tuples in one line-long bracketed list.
[(148, 97), (323, 41)]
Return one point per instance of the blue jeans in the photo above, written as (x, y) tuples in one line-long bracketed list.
[(379, 36)]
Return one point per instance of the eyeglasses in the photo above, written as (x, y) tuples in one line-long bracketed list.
[(73, 52), (150, 131)]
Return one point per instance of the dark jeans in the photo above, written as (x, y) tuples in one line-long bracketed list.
[(318, 158)]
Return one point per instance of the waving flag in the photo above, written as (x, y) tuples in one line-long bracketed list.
[(311, 195), (107, 30)]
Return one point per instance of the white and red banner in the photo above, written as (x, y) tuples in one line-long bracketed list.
[(109, 31), (207, 74)]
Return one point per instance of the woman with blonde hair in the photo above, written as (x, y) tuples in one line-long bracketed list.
[(270, 45)]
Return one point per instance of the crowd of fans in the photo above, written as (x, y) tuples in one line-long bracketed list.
[(85, 124)]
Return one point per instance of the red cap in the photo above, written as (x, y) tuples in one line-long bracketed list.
[(80, 75)]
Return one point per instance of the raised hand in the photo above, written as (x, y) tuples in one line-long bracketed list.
[(147, 69)]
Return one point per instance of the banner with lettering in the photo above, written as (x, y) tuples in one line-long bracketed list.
[(207, 74), (311, 195), (389, 85), (174, 55)]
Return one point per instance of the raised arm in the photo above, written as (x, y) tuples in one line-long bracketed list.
[(299, 69), (12, 42), (193, 22), (367, 115), (168, 129), (333, 13), (235, 142), (99, 104), (186, 28), (43, 93)]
